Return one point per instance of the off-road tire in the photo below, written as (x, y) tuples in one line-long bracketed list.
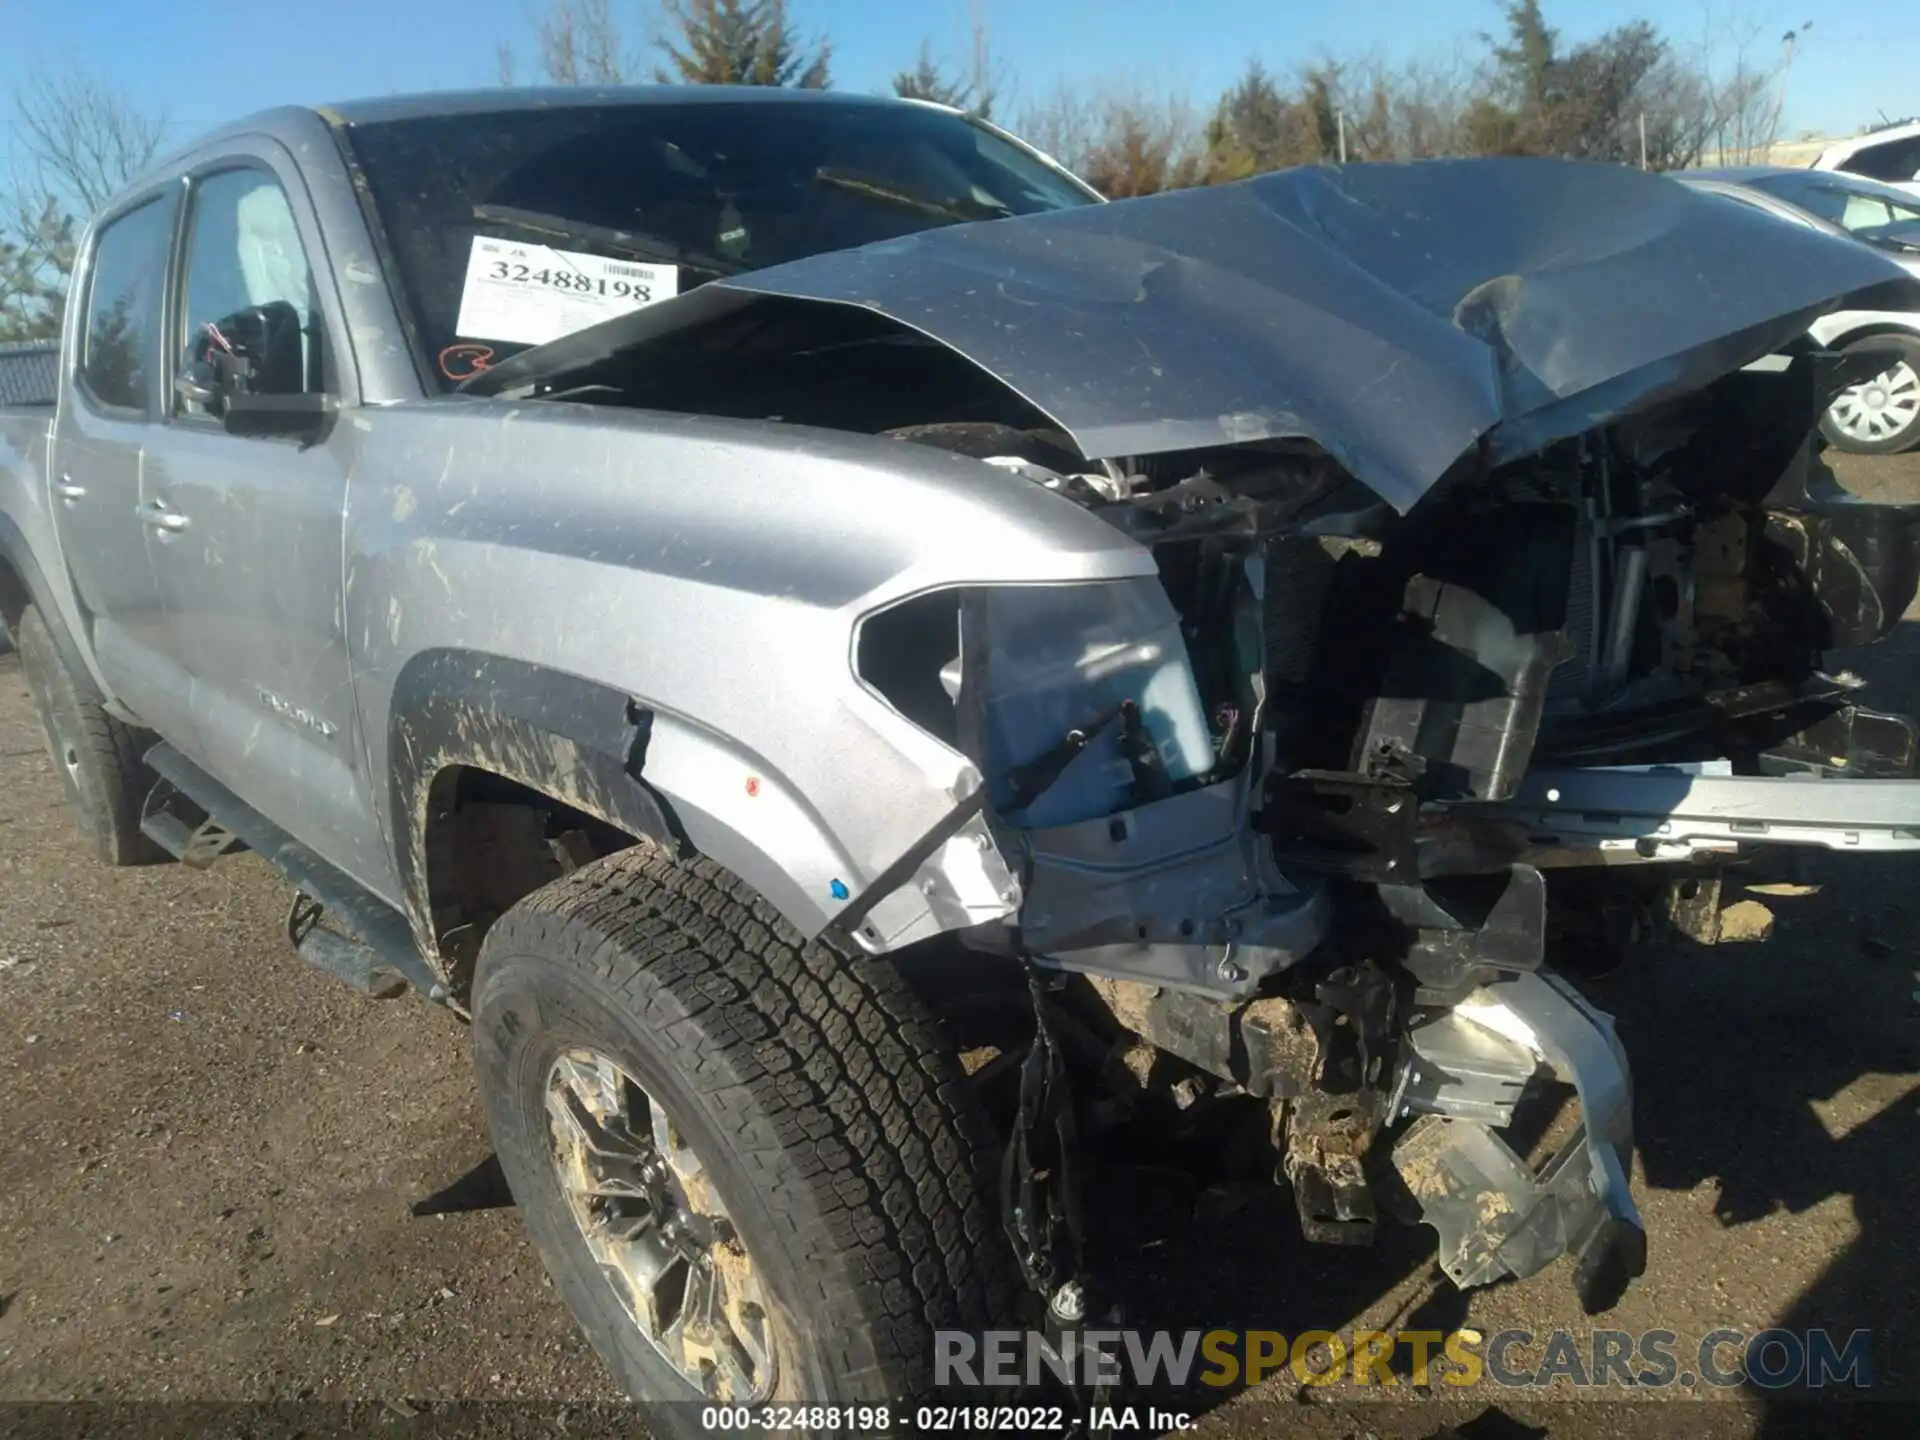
[(839, 1130), (96, 756)]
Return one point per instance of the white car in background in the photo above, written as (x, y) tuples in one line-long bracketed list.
[(1890, 155), (1880, 416)]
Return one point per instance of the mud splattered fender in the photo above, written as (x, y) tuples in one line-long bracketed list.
[(568, 738), (655, 776), (717, 575)]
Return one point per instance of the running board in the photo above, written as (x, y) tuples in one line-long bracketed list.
[(1669, 812), (181, 828), (380, 930), (356, 965)]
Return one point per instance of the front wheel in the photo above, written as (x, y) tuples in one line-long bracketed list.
[(1880, 416), (748, 1162)]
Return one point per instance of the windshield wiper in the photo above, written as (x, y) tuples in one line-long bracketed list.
[(964, 211), (623, 242)]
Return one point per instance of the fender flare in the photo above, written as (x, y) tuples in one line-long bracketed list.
[(569, 738), (585, 744)]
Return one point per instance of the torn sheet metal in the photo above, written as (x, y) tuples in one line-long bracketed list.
[(1394, 314), (1181, 892), (1494, 1215)]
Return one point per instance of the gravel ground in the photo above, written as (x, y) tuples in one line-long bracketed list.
[(211, 1155)]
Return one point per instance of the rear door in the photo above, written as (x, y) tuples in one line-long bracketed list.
[(106, 419), (252, 577)]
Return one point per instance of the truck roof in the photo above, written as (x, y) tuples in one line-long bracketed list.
[(287, 121), (292, 124), (500, 100)]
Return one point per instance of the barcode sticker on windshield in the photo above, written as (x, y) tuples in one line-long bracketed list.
[(530, 294)]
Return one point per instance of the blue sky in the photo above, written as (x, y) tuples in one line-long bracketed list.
[(210, 60)]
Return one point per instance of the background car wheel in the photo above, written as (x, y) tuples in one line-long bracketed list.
[(748, 1162), (1882, 416), (97, 757)]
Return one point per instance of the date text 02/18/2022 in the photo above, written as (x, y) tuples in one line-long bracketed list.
[(936, 1419)]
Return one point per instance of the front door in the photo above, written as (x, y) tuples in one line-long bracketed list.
[(105, 422), (252, 574)]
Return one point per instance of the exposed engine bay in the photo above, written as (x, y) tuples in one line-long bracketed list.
[(1287, 862), (1302, 815)]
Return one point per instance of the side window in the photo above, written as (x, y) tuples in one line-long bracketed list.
[(120, 343), (1866, 212), (249, 291), (1897, 161)]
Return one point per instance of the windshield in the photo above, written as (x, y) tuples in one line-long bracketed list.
[(511, 228), (1878, 214)]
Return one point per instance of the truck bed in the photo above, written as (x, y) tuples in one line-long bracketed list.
[(29, 372)]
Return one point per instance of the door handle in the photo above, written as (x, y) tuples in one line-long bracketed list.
[(156, 514), (68, 491)]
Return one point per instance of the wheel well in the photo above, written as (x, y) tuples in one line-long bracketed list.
[(490, 842), (1871, 331)]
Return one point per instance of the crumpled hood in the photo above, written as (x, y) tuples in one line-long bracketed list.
[(1394, 314)]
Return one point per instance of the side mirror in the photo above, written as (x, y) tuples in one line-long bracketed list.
[(306, 418), (247, 369), (197, 383)]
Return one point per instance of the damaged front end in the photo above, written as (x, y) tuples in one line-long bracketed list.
[(1298, 812), (1230, 835), (1490, 548)]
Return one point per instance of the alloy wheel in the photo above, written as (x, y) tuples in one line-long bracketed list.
[(650, 1216)]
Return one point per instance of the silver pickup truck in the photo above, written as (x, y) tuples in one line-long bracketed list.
[(853, 665)]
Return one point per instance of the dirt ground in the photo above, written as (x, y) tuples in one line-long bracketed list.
[(210, 1157)]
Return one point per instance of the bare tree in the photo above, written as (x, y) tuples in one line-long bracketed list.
[(83, 137), (984, 77), (1747, 96), (1413, 111), (1121, 138), (79, 141), (581, 44), (1363, 108), (1061, 122)]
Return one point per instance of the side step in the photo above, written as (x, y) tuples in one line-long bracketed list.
[(355, 965), (384, 941), (183, 829)]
